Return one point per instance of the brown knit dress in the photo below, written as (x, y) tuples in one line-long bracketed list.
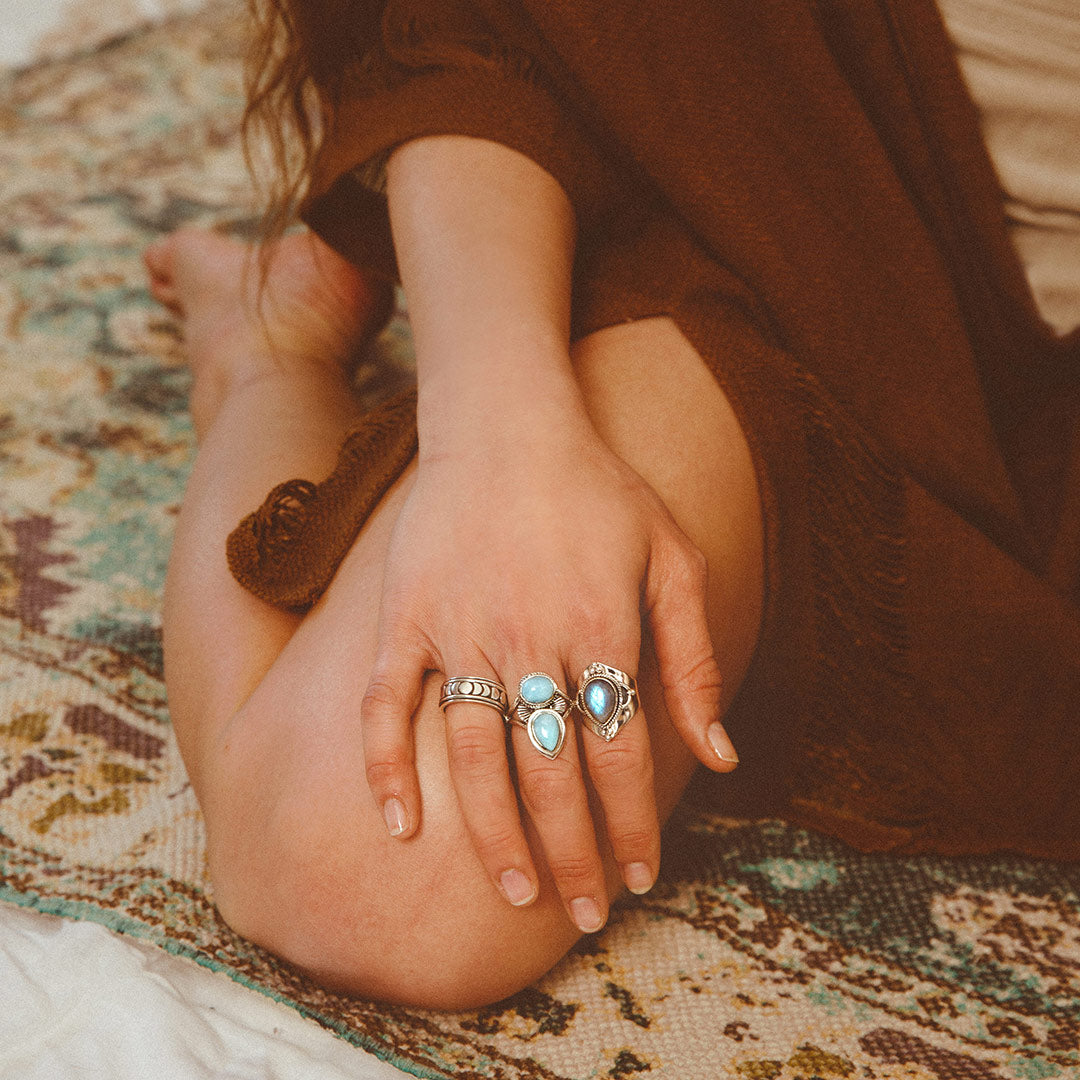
[(803, 188)]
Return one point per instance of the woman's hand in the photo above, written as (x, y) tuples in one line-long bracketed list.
[(528, 546), (525, 545)]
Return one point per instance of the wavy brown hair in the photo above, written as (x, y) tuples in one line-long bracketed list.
[(299, 55)]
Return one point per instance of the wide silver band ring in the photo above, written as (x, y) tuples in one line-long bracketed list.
[(606, 699), (541, 708), (477, 691)]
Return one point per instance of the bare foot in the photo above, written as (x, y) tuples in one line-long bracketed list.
[(312, 307)]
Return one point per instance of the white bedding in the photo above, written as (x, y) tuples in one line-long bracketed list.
[(82, 1003)]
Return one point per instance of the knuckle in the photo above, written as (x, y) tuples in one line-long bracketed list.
[(547, 789), (381, 700), (615, 766), (702, 678), (695, 566), (386, 771), (680, 571), (574, 872), (513, 637), (591, 620), (472, 749), (495, 844), (630, 841)]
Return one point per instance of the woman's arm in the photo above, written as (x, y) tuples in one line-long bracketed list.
[(485, 244), (525, 545)]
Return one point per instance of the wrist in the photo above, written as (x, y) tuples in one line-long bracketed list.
[(492, 400)]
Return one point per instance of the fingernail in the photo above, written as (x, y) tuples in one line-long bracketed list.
[(638, 877), (517, 887), (394, 812), (585, 912), (721, 744)]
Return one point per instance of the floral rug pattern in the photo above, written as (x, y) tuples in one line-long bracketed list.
[(764, 953)]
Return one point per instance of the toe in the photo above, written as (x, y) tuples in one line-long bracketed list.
[(157, 258), (192, 268)]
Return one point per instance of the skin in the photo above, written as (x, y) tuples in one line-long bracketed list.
[(355, 829)]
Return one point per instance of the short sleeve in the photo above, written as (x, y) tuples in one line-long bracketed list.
[(441, 67)]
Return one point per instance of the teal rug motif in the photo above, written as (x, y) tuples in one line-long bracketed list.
[(764, 953)]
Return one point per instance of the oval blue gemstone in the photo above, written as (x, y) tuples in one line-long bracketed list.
[(547, 729), (537, 689), (599, 699)]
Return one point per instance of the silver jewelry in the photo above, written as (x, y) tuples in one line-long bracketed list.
[(606, 699), (480, 691), (540, 709)]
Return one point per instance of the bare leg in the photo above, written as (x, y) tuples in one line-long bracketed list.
[(266, 706), (261, 415)]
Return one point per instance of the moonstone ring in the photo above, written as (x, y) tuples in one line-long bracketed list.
[(473, 689), (539, 709), (606, 699)]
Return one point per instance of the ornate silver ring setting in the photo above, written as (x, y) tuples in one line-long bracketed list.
[(606, 699), (540, 709), (476, 690)]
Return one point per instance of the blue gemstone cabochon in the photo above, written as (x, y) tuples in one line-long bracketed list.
[(537, 689), (600, 699), (547, 729)]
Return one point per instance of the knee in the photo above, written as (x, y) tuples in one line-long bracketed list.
[(398, 947), (356, 917)]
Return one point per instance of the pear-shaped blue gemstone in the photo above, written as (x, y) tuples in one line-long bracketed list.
[(599, 699), (537, 689), (547, 729)]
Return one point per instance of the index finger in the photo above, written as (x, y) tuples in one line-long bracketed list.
[(475, 708)]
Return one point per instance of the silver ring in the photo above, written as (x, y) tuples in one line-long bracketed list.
[(606, 699), (477, 690), (540, 709)]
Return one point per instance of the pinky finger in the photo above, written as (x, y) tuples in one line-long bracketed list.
[(390, 702), (689, 672)]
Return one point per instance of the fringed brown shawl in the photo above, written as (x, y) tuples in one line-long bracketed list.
[(803, 188)]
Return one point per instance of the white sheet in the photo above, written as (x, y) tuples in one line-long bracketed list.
[(78, 1002)]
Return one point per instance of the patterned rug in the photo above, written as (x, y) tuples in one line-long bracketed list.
[(764, 953)]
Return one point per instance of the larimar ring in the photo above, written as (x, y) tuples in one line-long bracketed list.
[(606, 699), (540, 709), (473, 689)]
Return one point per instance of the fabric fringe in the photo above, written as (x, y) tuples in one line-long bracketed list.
[(851, 749), (289, 549), (856, 505), (419, 36)]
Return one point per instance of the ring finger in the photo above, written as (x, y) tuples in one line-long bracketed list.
[(618, 759)]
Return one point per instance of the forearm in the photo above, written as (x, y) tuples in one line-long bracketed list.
[(485, 245)]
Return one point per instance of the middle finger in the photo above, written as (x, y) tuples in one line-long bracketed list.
[(553, 793)]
